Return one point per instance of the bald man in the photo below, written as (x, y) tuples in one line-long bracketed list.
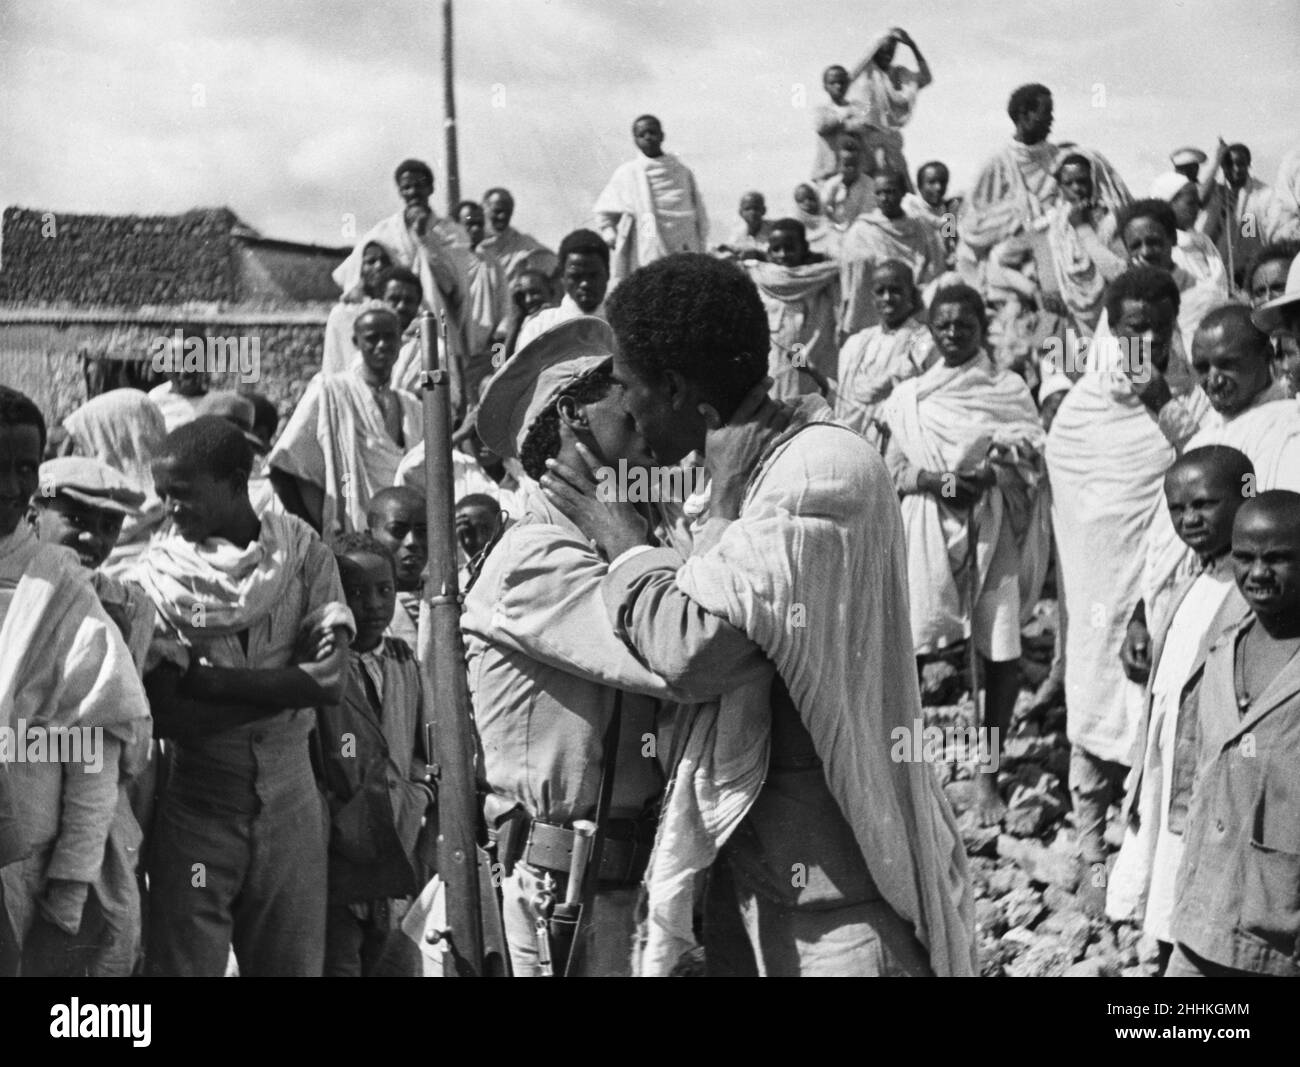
[(1203, 491), (348, 434), (1235, 910)]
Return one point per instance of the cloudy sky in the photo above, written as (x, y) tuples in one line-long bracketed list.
[(294, 112)]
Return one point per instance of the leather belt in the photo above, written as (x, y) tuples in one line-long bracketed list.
[(623, 859)]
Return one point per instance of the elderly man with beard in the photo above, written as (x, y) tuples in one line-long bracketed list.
[(825, 855)]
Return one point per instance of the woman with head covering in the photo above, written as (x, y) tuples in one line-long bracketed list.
[(1195, 252), (124, 429)]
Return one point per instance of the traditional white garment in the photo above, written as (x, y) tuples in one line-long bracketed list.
[(518, 252), (1106, 457), (1196, 254), (546, 318), (337, 440), (820, 516), (822, 237), (802, 305), (1142, 883), (832, 121), (869, 241), (841, 204), (872, 362), (654, 206), (468, 476), (339, 349), (1085, 258), (950, 419), (741, 240), (63, 664), (1286, 191), (440, 259), (1247, 219), (124, 429), (1017, 187), (176, 410), (889, 108)]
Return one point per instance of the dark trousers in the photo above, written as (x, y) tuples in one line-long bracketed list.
[(256, 881)]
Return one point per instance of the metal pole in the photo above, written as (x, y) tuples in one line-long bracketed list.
[(449, 111), (446, 689)]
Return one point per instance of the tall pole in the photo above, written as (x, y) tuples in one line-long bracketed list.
[(449, 110), (446, 688)]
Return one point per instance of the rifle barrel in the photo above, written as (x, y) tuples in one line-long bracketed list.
[(446, 688)]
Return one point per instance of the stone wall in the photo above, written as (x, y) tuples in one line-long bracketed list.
[(56, 358)]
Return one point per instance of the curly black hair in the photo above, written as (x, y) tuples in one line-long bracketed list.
[(18, 409), (1274, 252), (361, 542), (1158, 211), (1026, 98), (698, 316), (543, 439), (965, 296), (1148, 284), (210, 443)]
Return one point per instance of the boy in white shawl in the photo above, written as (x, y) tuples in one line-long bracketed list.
[(252, 635), (800, 291), (68, 690), (651, 207), (348, 434), (965, 453), (885, 233), (801, 513), (873, 361)]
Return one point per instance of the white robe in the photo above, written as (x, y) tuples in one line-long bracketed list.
[(949, 419), (1106, 457), (872, 362), (1141, 886), (819, 517), (337, 440), (655, 208)]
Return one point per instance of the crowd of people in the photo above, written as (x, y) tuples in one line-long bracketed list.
[(870, 429)]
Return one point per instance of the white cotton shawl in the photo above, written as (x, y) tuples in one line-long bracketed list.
[(820, 519), (948, 419)]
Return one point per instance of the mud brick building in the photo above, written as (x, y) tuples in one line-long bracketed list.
[(83, 299)]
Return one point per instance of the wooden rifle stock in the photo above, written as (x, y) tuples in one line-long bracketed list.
[(442, 664)]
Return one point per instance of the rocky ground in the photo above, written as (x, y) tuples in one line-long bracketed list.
[(1032, 916)]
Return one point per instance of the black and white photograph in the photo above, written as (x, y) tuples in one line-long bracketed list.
[(650, 488)]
